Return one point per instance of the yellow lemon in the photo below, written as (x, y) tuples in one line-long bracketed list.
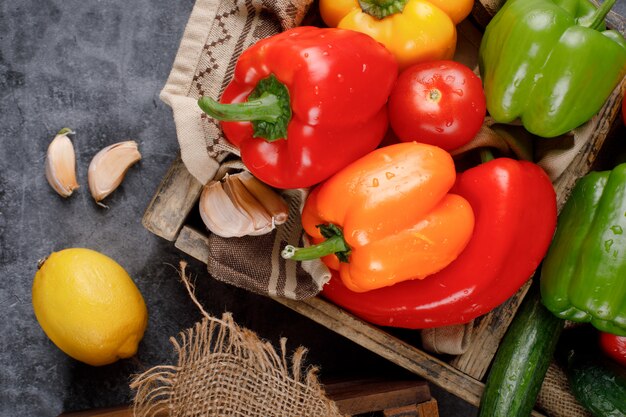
[(88, 305)]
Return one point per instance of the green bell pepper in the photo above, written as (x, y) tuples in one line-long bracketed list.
[(583, 277), (550, 63)]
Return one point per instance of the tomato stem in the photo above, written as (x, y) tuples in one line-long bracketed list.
[(435, 95)]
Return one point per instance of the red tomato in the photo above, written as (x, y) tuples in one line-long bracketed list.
[(614, 347), (441, 103)]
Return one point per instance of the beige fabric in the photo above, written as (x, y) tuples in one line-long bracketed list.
[(451, 340), (556, 398), (254, 262), (216, 34), (225, 370)]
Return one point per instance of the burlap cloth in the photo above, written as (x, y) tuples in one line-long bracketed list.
[(225, 370), (216, 34)]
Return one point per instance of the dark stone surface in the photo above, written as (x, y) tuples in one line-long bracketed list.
[(98, 67)]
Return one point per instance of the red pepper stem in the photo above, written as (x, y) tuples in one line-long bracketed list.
[(330, 246), (596, 20), (265, 108), (382, 8)]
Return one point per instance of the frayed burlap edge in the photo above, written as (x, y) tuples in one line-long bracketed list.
[(225, 370), (556, 398)]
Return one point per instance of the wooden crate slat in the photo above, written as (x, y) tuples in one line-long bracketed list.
[(175, 198), (194, 243), (374, 394), (389, 347)]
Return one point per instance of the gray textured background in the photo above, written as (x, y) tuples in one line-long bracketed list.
[(97, 67)]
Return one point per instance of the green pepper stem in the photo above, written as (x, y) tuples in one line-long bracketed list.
[(265, 108), (486, 155), (596, 20), (268, 108), (330, 246), (382, 8)]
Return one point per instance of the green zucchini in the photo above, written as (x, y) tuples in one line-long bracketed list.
[(522, 360), (598, 384)]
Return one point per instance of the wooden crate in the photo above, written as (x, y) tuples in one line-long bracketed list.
[(167, 215), (395, 398)]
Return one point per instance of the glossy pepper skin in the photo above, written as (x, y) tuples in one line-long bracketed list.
[(414, 30), (393, 210), (514, 204), (550, 63), (614, 347), (583, 275), (311, 101)]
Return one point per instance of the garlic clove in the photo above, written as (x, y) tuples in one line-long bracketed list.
[(61, 164), (220, 214), (240, 205), (229, 208), (245, 201), (109, 166), (273, 203)]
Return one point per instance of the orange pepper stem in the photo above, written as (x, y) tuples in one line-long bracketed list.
[(382, 8), (334, 244)]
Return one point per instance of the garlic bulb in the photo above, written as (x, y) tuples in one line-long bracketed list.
[(61, 164), (108, 168), (241, 205)]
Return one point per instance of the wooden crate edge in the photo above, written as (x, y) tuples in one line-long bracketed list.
[(174, 198)]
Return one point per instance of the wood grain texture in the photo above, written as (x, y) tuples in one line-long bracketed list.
[(194, 243), (484, 10), (374, 394), (406, 411), (174, 199), (428, 409)]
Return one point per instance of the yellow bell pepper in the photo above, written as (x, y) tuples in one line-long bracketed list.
[(413, 30)]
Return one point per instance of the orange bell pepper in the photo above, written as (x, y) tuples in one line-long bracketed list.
[(413, 30), (388, 217)]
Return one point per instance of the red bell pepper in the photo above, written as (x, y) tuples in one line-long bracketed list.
[(614, 347), (305, 103), (514, 205)]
